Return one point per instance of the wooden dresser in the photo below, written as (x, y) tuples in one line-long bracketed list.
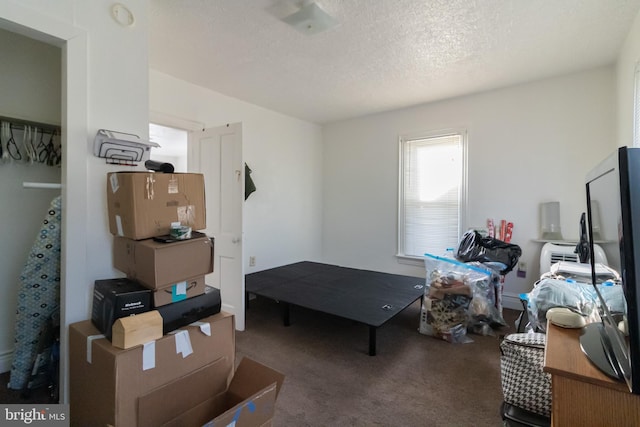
[(581, 394)]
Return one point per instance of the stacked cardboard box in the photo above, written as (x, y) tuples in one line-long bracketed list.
[(142, 206), (188, 376)]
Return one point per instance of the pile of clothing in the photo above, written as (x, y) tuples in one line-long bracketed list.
[(568, 284)]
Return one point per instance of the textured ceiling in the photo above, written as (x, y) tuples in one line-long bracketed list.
[(384, 54)]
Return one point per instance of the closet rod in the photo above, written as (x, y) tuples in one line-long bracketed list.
[(49, 185), (20, 122)]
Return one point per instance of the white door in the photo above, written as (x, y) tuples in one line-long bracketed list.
[(217, 153)]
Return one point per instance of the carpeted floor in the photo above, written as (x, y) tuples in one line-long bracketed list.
[(414, 380)]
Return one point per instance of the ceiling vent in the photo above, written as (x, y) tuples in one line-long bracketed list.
[(310, 19)]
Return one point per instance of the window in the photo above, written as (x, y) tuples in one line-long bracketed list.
[(432, 192)]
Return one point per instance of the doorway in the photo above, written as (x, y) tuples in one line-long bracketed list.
[(217, 154), (173, 145)]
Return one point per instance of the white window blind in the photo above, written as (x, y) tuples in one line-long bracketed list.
[(431, 193)]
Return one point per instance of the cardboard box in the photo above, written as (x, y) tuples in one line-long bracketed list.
[(180, 291), (142, 205), (116, 298), (157, 265), (105, 382), (109, 386), (248, 401), (135, 330)]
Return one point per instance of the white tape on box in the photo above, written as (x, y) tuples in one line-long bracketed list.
[(148, 355), (90, 339), (181, 288), (119, 225), (113, 178), (205, 327), (183, 343)]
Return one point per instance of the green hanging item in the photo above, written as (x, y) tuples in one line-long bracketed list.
[(249, 186)]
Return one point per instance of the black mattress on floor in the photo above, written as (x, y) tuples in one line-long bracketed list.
[(364, 296)]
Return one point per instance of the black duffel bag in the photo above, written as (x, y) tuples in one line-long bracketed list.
[(474, 247)]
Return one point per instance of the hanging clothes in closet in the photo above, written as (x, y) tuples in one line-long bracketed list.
[(38, 298)]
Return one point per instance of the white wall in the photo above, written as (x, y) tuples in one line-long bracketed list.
[(30, 88), (282, 218), (31, 79), (527, 144), (625, 67), (104, 85)]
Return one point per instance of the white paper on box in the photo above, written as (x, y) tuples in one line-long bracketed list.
[(148, 355), (90, 339), (205, 327), (183, 343)]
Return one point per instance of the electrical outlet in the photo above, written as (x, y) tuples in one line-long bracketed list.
[(252, 261), (522, 266)]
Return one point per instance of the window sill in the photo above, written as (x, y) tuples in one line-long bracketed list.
[(410, 260)]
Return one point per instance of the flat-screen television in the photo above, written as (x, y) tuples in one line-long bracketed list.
[(613, 212)]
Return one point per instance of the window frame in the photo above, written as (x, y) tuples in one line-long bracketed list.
[(402, 257), (636, 105)]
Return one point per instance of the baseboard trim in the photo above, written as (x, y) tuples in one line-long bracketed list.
[(6, 358), (511, 300)]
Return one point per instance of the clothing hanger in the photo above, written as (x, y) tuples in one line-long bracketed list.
[(12, 146), (3, 151)]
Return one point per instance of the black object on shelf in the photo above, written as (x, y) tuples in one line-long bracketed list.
[(182, 313), (156, 166), (168, 238)]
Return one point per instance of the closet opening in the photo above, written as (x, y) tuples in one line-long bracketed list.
[(31, 211)]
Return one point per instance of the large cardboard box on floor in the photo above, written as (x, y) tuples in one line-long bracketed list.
[(158, 265), (185, 378), (142, 205)]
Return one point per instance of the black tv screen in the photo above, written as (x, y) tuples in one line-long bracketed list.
[(613, 212)]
